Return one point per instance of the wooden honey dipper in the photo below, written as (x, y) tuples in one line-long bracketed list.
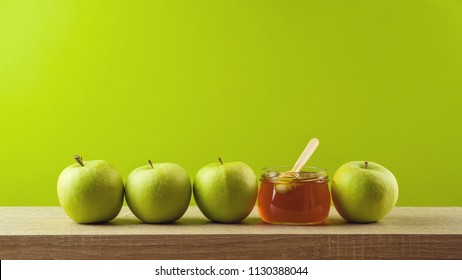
[(293, 173)]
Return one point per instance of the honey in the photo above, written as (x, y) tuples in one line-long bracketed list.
[(305, 199)]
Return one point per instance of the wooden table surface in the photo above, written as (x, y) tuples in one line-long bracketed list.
[(406, 233)]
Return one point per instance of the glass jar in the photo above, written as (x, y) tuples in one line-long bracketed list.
[(294, 197)]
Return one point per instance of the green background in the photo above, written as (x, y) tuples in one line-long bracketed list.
[(252, 81)]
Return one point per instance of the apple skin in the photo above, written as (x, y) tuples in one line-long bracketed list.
[(159, 193), (363, 195), (225, 193), (92, 193)]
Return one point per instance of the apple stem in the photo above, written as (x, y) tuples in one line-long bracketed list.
[(79, 159), (366, 163), (150, 162), (219, 159)]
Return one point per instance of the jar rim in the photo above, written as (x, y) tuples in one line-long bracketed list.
[(307, 173), (288, 168)]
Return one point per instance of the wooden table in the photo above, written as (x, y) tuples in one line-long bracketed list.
[(407, 233)]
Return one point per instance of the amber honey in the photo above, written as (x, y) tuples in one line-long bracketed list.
[(302, 198)]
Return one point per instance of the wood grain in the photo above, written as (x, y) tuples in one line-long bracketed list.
[(407, 233)]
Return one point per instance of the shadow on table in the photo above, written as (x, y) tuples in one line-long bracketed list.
[(251, 221), (203, 221)]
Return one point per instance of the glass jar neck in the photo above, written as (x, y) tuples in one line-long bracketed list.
[(283, 173)]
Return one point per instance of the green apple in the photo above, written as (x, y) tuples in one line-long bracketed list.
[(90, 191), (364, 192), (158, 193), (225, 192)]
